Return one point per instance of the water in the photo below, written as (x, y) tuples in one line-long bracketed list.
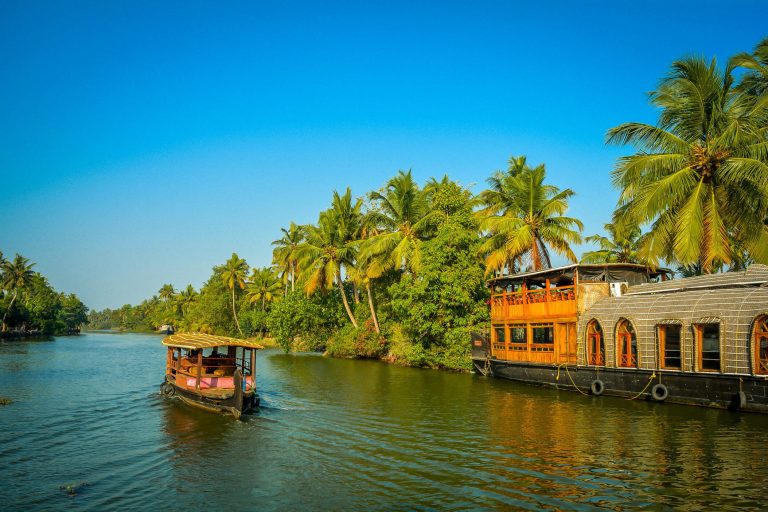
[(351, 435)]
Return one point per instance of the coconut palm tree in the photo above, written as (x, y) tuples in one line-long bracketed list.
[(166, 292), (698, 177), (322, 255), (755, 80), (233, 274), (524, 217), (620, 246), (400, 219), (285, 252), (185, 299), (263, 286), (17, 275)]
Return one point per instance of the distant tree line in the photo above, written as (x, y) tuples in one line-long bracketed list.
[(399, 273), (29, 304)]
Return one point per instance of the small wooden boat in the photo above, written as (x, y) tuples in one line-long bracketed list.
[(214, 373)]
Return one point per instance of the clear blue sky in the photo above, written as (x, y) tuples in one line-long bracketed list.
[(143, 142)]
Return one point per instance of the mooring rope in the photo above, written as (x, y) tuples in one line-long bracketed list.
[(569, 377), (650, 379)]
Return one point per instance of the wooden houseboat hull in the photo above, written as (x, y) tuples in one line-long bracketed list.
[(237, 406), (732, 392)]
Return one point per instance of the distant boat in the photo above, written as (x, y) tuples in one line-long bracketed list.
[(166, 329), (214, 373)]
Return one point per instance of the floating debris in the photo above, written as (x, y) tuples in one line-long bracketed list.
[(5, 401), (71, 489)]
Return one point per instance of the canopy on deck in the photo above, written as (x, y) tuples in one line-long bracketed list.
[(199, 341)]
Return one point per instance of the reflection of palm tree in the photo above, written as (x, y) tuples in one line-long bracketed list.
[(233, 275), (263, 287), (523, 216), (621, 245), (699, 175), (401, 220), (322, 255), (285, 251), (17, 275)]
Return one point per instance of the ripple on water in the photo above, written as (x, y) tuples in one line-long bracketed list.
[(352, 435)]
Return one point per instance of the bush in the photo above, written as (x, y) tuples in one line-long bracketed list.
[(363, 342)]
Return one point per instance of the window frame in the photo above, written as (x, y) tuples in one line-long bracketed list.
[(598, 335), (621, 344), (661, 333), (760, 363), (698, 330)]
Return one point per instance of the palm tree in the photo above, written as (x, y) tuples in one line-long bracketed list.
[(285, 252), (523, 217), (621, 245), (185, 299), (233, 274), (699, 175), (400, 219), (166, 292), (755, 80), (16, 275), (322, 255), (263, 286)]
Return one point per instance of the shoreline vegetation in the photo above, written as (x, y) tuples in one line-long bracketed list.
[(31, 308), (399, 273)]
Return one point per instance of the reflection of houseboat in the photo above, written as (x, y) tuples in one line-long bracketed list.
[(211, 372), (625, 330)]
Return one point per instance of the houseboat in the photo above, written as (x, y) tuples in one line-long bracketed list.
[(214, 373), (630, 331)]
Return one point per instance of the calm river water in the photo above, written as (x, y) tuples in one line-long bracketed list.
[(351, 435)]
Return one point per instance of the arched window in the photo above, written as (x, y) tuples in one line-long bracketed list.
[(626, 344), (761, 344), (595, 344)]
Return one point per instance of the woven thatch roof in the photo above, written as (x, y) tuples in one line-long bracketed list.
[(755, 275), (197, 341)]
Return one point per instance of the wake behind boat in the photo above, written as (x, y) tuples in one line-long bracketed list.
[(214, 373)]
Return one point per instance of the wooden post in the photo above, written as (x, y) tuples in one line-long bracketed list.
[(253, 369), (168, 360), (199, 368)]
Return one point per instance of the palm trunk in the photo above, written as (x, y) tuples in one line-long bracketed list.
[(355, 293), (9, 308), (373, 311), (293, 275), (344, 299), (234, 312)]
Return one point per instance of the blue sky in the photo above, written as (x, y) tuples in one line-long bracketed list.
[(144, 142)]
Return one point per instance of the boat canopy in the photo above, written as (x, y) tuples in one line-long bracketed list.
[(631, 273), (200, 341)]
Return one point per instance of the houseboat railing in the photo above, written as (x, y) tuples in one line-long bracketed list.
[(506, 304)]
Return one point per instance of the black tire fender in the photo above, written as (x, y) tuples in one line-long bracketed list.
[(167, 389), (597, 387), (659, 392)]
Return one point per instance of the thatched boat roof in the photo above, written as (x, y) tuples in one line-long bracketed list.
[(199, 341)]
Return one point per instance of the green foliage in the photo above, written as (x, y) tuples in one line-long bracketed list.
[(29, 302), (361, 342), (308, 319)]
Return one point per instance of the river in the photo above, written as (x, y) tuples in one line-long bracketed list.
[(349, 435)]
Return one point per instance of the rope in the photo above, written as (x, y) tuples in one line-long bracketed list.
[(650, 379), (569, 376)]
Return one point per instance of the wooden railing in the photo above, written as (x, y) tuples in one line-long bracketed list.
[(541, 303)]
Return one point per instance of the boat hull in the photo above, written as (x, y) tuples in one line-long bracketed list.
[(736, 392), (237, 404)]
